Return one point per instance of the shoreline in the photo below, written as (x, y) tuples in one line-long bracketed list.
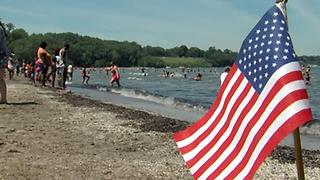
[(75, 137)]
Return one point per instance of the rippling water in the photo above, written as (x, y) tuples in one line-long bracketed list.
[(176, 97), (178, 91)]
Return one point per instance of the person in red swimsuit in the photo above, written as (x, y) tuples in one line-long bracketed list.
[(115, 76)]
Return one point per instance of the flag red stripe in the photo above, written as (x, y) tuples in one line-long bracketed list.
[(300, 94), (179, 136), (294, 122), (229, 139), (196, 142), (285, 79), (223, 129)]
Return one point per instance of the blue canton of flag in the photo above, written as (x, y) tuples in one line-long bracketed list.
[(267, 47)]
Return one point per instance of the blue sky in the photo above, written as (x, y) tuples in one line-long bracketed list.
[(166, 23)]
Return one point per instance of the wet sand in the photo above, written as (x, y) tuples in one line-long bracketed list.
[(52, 134)]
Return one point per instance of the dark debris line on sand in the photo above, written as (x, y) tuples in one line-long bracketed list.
[(147, 121), (150, 122)]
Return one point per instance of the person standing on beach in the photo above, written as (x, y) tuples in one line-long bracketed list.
[(4, 52), (43, 62), (115, 76), (70, 73), (64, 58), (11, 66)]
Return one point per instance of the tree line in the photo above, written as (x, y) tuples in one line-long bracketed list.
[(95, 52)]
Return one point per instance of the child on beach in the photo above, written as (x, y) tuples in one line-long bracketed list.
[(85, 76)]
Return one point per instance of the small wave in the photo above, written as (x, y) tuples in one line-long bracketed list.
[(134, 78), (141, 74), (311, 128), (169, 101)]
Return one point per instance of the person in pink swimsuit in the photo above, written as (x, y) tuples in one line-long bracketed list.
[(115, 76)]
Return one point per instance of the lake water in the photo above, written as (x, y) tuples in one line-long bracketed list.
[(177, 97)]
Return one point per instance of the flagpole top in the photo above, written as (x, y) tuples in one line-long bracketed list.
[(285, 1)]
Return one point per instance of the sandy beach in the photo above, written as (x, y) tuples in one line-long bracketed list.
[(48, 133)]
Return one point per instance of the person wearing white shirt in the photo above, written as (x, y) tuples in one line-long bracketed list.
[(224, 74)]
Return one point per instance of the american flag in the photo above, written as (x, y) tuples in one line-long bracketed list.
[(260, 102)]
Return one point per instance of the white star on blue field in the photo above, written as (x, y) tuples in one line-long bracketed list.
[(166, 23)]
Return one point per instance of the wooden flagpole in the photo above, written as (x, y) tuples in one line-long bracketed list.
[(299, 160), (297, 141)]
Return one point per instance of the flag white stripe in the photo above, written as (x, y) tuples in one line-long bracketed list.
[(278, 74), (195, 135), (287, 89), (281, 119), (191, 154), (213, 150)]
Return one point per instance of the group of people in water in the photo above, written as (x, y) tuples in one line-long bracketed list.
[(306, 74)]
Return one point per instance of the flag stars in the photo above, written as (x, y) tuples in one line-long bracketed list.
[(240, 61), (249, 48), (265, 29), (250, 73), (294, 55), (255, 70), (266, 75), (244, 51), (276, 49), (255, 79), (260, 86), (257, 38), (250, 65), (275, 14), (279, 35), (269, 42), (258, 31), (288, 38), (267, 58), (260, 60), (274, 64), (271, 35), (273, 28), (286, 51), (283, 22), (262, 44), (275, 57), (245, 67), (266, 66), (264, 36), (260, 68), (274, 21), (260, 77), (285, 57), (250, 41), (266, 22), (254, 62), (261, 52), (278, 42), (254, 54), (287, 44), (255, 46), (281, 28), (268, 50)]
